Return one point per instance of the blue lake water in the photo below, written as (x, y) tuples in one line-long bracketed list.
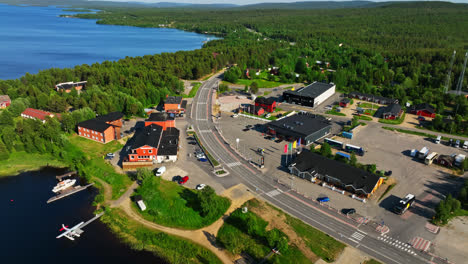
[(36, 38)]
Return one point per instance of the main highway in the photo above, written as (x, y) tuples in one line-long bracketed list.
[(363, 237)]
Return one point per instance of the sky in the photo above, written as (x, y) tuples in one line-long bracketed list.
[(244, 2)]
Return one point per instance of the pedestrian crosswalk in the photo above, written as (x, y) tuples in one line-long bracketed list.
[(358, 236), (233, 164), (205, 131), (420, 243), (273, 193)]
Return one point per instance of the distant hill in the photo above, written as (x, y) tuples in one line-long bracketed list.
[(313, 5)]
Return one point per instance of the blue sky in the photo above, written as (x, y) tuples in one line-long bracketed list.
[(243, 2)]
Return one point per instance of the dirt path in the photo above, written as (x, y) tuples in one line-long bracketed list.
[(107, 189), (204, 236)]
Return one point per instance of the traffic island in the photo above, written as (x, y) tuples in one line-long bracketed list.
[(221, 172)]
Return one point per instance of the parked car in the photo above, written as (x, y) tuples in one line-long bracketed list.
[(388, 173), (457, 143), (200, 186), (268, 137), (160, 171), (235, 115), (465, 144), (192, 142), (248, 126), (245, 129), (279, 140), (183, 180), (421, 118), (328, 107), (348, 211), (200, 155), (110, 155), (203, 160), (323, 199), (267, 115)]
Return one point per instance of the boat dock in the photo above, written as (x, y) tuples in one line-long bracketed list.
[(68, 192), (68, 174), (91, 220)]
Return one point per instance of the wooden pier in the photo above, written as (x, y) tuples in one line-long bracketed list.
[(68, 174), (68, 192), (91, 220)]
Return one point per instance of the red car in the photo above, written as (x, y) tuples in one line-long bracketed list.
[(183, 180)]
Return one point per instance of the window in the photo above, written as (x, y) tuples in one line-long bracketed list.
[(79, 133), (150, 151)]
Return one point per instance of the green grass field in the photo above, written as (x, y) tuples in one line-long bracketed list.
[(368, 105), (172, 205), (174, 249), (363, 117), (334, 112), (23, 161), (372, 261), (194, 90), (95, 152), (393, 122), (261, 83)]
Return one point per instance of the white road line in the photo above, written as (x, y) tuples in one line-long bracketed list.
[(232, 164), (357, 236), (353, 240), (273, 193), (205, 131)]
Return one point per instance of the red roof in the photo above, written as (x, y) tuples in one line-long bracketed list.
[(4, 98), (39, 114)]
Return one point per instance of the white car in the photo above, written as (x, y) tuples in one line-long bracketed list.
[(160, 171), (267, 115), (200, 186), (235, 115), (328, 107), (200, 156)]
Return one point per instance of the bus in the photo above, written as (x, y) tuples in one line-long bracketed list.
[(334, 143), (430, 158), (351, 148), (404, 204)]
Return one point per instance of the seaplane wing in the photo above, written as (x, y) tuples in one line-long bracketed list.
[(71, 232)]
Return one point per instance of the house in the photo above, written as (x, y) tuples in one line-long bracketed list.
[(103, 129), (68, 86), (304, 126), (391, 111), (4, 101), (345, 102), (162, 119), (372, 98), (445, 160), (256, 110), (154, 144), (310, 166), (423, 109), (175, 105), (269, 104), (311, 95), (37, 114)]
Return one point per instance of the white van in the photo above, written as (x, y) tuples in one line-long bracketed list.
[(465, 144), (437, 140), (160, 171)]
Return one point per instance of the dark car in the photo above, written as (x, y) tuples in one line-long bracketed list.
[(203, 160), (246, 129), (421, 118), (248, 126), (183, 180), (323, 199), (348, 211), (268, 137), (279, 140), (192, 142), (388, 173)]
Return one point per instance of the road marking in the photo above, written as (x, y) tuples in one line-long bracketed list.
[(273, 193), (232, 164), (358, 236), (206, 131), (353, 240), (202, 119), (201, 103)]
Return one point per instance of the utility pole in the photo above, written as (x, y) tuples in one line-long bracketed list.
[(449, 73)]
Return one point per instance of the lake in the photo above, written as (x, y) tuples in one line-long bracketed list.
[(36, 38), (29, 225)]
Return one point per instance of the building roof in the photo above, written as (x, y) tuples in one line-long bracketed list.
[(4, 98), (392, 109), (162, 116), (301, 125), (255, 108), (95, 125), (375, 97), (265, 101), (424, 106), (357, 178), (183, 104), (173, 100), (345, 100), (148, 136), (39, 114), (312, 90), (69, 85), (169, 142), (110, 117)]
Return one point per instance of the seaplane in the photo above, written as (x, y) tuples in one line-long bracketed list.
[(71, 233)]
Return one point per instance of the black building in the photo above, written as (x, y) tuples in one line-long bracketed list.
[(307, 127), (311, 95)]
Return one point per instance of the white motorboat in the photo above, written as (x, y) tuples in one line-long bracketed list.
[(63, 185)]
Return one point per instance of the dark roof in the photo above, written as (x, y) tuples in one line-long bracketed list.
[(163, 116), (173, 100), (183, 104), (95, 125), (345, 100), (265, 101), (312, 90), (308, 161), (424, 106), (301, 125), (393, 109), (148, 136), (375, 97), (169, 142), (110, 117)]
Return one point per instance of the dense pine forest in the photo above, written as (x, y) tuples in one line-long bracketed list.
[(399, 50)]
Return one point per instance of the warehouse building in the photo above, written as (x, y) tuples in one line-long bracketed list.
[(311, 166), (311, 95), (304, 126)]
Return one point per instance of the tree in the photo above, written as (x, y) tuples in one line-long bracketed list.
[(355, 121), (325, 150), (353, 159), (301, 66), (207, 199), (254, 87), (6, 118), (4, 153)]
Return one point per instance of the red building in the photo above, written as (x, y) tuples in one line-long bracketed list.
[(175, 105), (4, 101), (165, 120), (37, 114), (392, 111), (103, 129), (269, 104), (423, 109), (155, 144), (345, 102)]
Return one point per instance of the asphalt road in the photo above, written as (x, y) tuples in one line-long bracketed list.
[(363, 237)]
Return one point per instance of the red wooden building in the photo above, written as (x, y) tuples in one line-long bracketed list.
[(37, 114), (423, 109), (4, 101), (345, 102), (103, 129), (165, 120), (269, 104)]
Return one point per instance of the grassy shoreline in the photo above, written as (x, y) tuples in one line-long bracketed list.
[(16, 163)]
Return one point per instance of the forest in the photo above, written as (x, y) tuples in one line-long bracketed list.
[(399, 50)]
